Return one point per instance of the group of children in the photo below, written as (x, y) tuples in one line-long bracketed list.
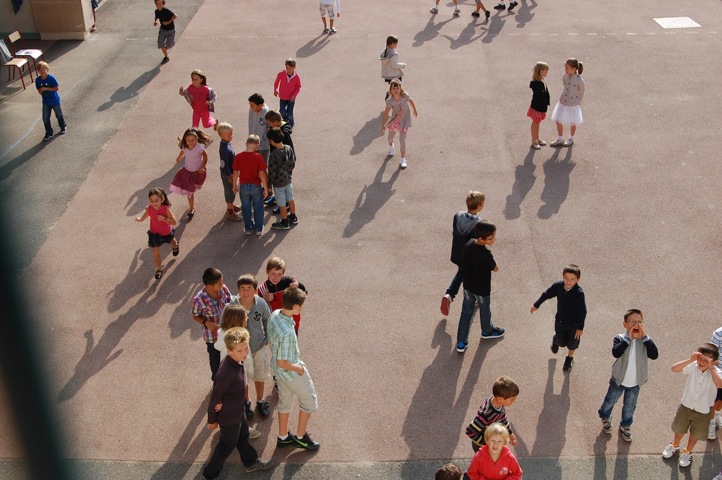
[(258, 331)]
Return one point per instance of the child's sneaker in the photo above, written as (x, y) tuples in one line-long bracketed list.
[(259, 466), (269, 200), (569, 142), (607, 425), (457, 12), (496, 332), (293, 218), (282, 225), (47, 137), (165, 60), (263, 408), (554, 347), (284, 442), (568, 364), (392, 150), (403, 163), (434, 10), (325, 31), (259, 232), (512, 5), (500, 6), (626, 433), (557, 143), (536, 146), (685, 460), (249, 410), (253, 434), (64, 130), (669, 451), (176, 250), (332, 31), (718, 477), (718, 419), (305, 442), (462, 346), (487, 14), (475, 14), (541, 142), (712, 432), (445, 304)]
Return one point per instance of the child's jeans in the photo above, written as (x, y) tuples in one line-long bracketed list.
[(287, 111), (252, 200), (46, 117), (467, 312), (630, 402), (455, 284)]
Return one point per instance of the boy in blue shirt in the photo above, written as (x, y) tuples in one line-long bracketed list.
[(47, 87)]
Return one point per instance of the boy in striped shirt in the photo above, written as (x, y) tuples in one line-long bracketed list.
[(493, 409)]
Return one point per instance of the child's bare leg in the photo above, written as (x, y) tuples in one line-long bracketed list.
[(156, 257), (191, 201), (391, 137), (677, 439), (283, 212), (303, 419), (165, 51), (324, 22), (330, 22), (259, 390), (283, 423), (573, 130), (174, 244), (560, 129), (571, 353), (292, 206), (691, 441), (534, 131)]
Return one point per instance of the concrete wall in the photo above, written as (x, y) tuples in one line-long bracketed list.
[(23, 21), (48, 19)]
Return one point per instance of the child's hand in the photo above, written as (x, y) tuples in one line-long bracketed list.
[(218, 407), (533, 309), (293, 99), (383, 129), (578, 334), (202, 169), (212, 426), (512, 439), (268, 297), (275, 94), (180, 90), (161, 218), (294, 282), (235, 188), (211, 326), (641, 332), (137, 219), (209, 103), (496, 269), (155, 23), (695, 356)]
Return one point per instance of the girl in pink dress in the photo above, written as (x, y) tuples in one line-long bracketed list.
[(161, 226), (400, 106), (191, 177), (201, 98)]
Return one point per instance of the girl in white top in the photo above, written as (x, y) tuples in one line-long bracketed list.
[(568, 110), (400, 105)]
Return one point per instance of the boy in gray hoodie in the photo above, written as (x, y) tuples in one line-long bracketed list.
[(629, 372)]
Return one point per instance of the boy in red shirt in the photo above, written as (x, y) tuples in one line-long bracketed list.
[(251, 178)]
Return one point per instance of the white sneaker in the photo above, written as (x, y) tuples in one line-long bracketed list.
[(434, 10), (669, 451), (536, 146), (718, 477), (253, 433), (569, 142), (402, 163), (457, 12), (392, 150), (718, 419), (685, 459), (559, 141), (712, 433)]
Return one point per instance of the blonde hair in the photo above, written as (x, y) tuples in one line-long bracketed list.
[(496, 428), (224, 127), (536, 71), (254, 139), (474, 200), (44, 65), (235, 336)]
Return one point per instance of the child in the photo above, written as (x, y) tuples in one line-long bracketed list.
[(463, 227), (457, 12), (501, 5), (258, 315), (571, 312), (161, 226), (228, 390), (480, 6), (227, 155), (539, 102), (273, 288), (695, 411), (391, 68), (629, 372), (717, 421), (235, 315), (287, 87), (275, 120), (448, 471), (294, 381), (280, 173), (398, 104), (332, 8), (47, 87), (249, 169), (208, 305), (201, 98), (568, 110), (166, 33), (504, 393), (193, 173), (257, 122), (477, 266), (494, 460)]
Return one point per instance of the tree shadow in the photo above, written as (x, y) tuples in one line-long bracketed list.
[(524, 179), (465, 37), (556, 183), (132, 90), (524, 14), (371, 199), (189, 445), (314, 46), (495, 25), (436, 436), (368, 133), (430, 31), (7, 169)]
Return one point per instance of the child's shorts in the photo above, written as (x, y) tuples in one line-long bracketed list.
[(283, 194), (302, 388), (249, 366), (565, 336), (261, 365), (535, 116), (690, 420), (166, 38), (327, 10), (156, 239)]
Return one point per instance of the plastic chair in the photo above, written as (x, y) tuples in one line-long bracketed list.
[(14, 63), (33, 53)]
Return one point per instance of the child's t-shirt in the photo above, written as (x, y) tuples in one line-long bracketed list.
[(478, 265), (158, 226), (49, 98), (194, 157), (486, 415), (199, 96), (699, 391), (277, 291), (249, 165), (165, 15)]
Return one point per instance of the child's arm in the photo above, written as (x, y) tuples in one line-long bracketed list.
[(581, 89), (172, 19), (413, 108), (679, 366), (385, 117), (211, 97), (277, 83), (264, 182), (716, 378), (169, 219), (204, 155), (338, 8), (551, 292), (296, 89), (234, 181), (291, 367), (142, 217), (180, 155), (620, 345), (220, 386)]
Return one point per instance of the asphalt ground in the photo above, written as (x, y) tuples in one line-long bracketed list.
[(635, 202)]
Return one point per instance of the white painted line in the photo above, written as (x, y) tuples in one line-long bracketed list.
[(677, 22)]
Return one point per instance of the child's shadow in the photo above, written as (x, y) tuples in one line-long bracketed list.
[(556, 183), (429, 32), (314, 46), (493, 29), (523, 181), (370, 200), (368, 133), (136, 204), (132, 90), (465, 37), (524, 15)]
